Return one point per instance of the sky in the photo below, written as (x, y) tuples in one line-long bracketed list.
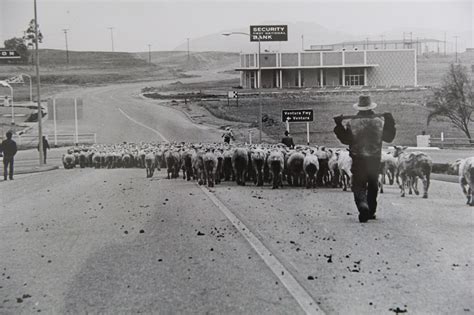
[(165, 24)]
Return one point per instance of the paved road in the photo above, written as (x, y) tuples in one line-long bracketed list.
[(112, 241)]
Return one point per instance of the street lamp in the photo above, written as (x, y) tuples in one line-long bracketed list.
[(259, 76), (40, 112), (5, 84), (31, 88)]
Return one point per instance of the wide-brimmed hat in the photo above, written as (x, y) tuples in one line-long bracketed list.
[(364, 103)]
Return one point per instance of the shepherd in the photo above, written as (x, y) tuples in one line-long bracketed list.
[(227, 135), (364, 133)]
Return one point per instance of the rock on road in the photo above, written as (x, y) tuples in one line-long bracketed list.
[(113, 241)]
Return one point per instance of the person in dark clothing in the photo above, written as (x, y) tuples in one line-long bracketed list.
[(45, 147), (9, 149), (364, 134), (287, 140), (228, 135)]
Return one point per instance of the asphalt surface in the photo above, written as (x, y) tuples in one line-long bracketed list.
[(113, 241)]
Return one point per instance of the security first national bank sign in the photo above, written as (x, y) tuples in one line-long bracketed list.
[(269, 33)]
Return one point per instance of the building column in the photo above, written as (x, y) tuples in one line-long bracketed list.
[(255, 80), (281, 79), (321, 77), (365, 77), (299, 78), (241, 79), (343, 76)]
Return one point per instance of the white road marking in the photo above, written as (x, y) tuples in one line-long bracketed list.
[(144, 126), (303, 298)]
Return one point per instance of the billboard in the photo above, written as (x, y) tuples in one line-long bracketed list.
[(269, 33), (65, 108), (297, 115)]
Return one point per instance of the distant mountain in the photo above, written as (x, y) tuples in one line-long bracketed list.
[(313, 34)]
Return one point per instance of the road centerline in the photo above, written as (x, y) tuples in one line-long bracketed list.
[(143, 125)]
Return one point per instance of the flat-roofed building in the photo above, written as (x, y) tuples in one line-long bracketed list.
[(329, 68)]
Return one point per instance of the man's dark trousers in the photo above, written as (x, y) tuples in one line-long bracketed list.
[(365, 182), (7, 168), (44, 155)]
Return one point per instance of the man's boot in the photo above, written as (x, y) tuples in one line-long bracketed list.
[(360, 198)]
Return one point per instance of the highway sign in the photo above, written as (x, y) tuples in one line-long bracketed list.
[(297, 115), (268, 33), (232, 94), (9, 54)]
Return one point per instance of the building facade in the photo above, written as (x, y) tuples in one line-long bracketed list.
[(329, 69)]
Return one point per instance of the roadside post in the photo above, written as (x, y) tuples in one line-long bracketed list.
[(298, 115), (55, 125), (75, 122)]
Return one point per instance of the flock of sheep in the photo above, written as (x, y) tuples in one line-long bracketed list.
[(309, 166)]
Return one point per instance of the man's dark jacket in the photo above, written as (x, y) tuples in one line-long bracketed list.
[(364, 134), (8, 147), (288, 141)]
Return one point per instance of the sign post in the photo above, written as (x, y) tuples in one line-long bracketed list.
[(298, 115)]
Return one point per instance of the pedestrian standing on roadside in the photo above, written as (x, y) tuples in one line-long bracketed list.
[(364, 134), (287, 140), (45, 147), (9, 149), (228, 135)]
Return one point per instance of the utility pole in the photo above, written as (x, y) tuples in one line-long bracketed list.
[(188, 48), (445, 44), (367, 43), (67, 50), (456, 47), (112, 36), (40, 113), (149, 54), (302, 42)]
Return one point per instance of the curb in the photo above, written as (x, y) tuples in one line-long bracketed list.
[(35, 169)]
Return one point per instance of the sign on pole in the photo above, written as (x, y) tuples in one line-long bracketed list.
[(232, 94), (268, 33), (297, 115), (9, 54)]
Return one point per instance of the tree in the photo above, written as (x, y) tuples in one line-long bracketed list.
[(30, 36), (454, 100), (19, 45)]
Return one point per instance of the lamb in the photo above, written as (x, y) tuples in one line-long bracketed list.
[(388, 167), (210, 167)]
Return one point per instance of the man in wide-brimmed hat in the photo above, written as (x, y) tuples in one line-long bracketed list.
[(364, 134)]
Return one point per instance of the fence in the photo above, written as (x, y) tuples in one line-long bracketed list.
[(28, 141), (451, 142)]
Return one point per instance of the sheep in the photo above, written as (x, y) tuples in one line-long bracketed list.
[(240, 163), (411, 166), (150, 164), (258, 160), (276, 162), (344, 164), (296, 175), (210, 167), (311, 167), (465, 170)]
